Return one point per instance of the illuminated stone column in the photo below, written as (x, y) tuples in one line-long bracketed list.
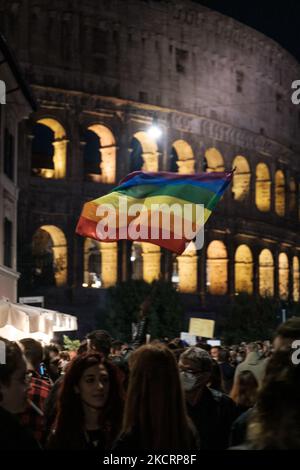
[(151, 262), (217, 268), (280, 193), (187, 273), (150, 161), (266, 273), (108, 164), (60, 265), (109, 264), (296, 279), (263, 188), (186, 166), (283, 276), (60, 158), (243, 271)]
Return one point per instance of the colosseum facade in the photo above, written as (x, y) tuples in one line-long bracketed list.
[(102, 73)]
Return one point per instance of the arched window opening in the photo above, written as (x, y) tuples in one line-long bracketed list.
[(241, 178), (49, 149), (49, 257), (263, 188), (182, 158), (243, 270), (214, 160), (216, 268), (283, 266), (266, 273)]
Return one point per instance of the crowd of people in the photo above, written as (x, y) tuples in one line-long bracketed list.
[(164, 395)]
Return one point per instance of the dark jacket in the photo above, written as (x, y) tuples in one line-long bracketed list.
[(132, 442), (13, 436), (81, 440), (239, 428), (227, 372), (213, 416)]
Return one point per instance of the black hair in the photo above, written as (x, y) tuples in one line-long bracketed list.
[(13, 358)]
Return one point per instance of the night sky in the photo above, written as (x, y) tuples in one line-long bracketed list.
[(278, 20)]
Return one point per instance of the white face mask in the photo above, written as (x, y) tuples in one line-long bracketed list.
[(188, 380)]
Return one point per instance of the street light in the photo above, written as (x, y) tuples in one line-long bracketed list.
[(154, 131)]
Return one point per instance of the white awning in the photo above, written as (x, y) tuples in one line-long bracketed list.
[(19, 321)]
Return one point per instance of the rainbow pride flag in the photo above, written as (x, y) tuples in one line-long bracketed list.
[(161, 208)]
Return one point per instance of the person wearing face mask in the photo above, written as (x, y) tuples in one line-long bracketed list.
[(211, 411)]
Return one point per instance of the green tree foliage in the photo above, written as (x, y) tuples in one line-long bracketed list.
[(69, 344), (123, 304), (250, 318)]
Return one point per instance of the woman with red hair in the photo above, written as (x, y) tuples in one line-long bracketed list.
[(90, 406)]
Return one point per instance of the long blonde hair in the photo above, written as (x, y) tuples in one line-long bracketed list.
[(155, 405)]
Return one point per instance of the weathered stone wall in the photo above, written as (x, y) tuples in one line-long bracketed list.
[(209, 80)]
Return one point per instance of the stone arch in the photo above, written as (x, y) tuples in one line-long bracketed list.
[(49, 149), (216, 268), (292, 195), (182, 156), (279, 193), (145, 258), (214, 160), (147, 152), (100, 263), (296, 279), (243, 270), (283, 275), (266, 273), (241, 178), (100, 154), (187, 269), (263, 188), (49, 253)]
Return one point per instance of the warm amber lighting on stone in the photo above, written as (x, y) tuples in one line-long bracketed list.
[(266, 273), (216, 268), (186, 161), (243, 269), (279, 193), (150, 151), (108, 152), (60, 149), (104, 266), (296, 279), (151, 261), (187, 270), (263, 188), (58, 248), (146, 261), (214, 160), (109, 263), (241, 178), (283, 267)]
